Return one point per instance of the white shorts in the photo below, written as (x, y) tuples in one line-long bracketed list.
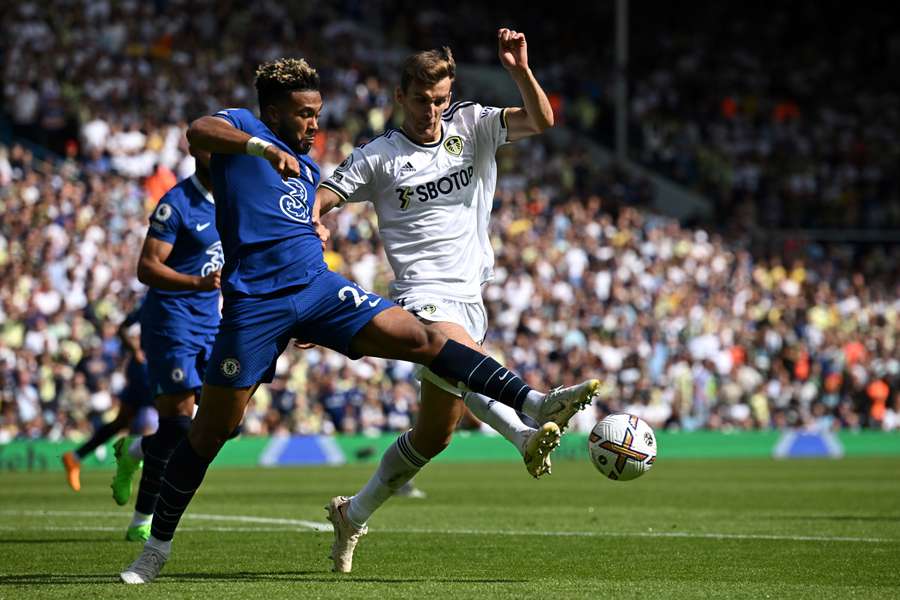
[(471, 316)]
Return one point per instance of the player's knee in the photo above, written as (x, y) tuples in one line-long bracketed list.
[(434, 341), (423, 342)]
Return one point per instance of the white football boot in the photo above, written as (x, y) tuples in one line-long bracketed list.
[(346, 534), (145, 568), (561, 404), (537, 448)]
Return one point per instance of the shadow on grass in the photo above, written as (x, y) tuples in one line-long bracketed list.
[(56, 579), (839, 518), (243, 576)]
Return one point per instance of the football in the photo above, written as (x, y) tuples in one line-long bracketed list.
[(622, 447)]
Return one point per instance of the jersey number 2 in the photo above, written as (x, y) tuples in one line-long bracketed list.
[(345, 292)]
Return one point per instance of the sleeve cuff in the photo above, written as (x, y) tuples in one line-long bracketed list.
[(341, 193)]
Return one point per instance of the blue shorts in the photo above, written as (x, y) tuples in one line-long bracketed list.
[(176, 362), (255, 330), (136, 392)]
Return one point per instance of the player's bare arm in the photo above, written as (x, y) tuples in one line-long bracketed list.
[(325, 201), (153, 271), (218, 136), (536, 116)]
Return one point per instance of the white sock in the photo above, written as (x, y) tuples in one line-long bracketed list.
[(532, 404), (502, 418), (140, 519), (399, 464), (135, 450), (163, 547)]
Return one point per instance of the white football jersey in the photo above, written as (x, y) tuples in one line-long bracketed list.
[(433, 201)]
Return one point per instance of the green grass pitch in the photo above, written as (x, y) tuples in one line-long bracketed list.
[(689, 529)]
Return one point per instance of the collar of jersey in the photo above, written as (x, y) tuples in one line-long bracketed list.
[(431, 145), (202, 189)]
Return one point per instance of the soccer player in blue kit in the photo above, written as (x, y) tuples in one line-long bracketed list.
[(276, 287), (135, 404), (181, 262)]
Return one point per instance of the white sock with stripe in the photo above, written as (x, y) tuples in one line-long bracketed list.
[(399, 464), (501, 418)]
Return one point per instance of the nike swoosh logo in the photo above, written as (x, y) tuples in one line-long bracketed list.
[(502, 377), (202, 227), (373, 304)]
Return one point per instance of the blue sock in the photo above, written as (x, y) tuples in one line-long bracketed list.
[(183, 475), (157, 450), (480, 374)]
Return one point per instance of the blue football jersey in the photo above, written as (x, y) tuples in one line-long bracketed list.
[(185, 217), (268, 238)]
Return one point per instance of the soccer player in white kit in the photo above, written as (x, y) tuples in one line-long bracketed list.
[(432, 184)]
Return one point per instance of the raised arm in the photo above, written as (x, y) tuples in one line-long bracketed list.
[(536, 115), (153, 271), (218, 136)]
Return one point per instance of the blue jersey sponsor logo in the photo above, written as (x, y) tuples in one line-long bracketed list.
[(268, 240), (294, 204), (216, 259)]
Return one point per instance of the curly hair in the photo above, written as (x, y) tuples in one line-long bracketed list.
[(428, 67), (277, 78)]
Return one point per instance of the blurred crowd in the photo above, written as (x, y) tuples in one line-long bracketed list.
[(689, 328), (785, 115)]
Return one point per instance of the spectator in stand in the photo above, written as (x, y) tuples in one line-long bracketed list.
[(695, 328)]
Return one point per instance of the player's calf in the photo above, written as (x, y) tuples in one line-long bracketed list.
[(158, 448), (221, 410)]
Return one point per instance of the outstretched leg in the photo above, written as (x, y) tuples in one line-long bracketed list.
[(396, 334), (221, 409)]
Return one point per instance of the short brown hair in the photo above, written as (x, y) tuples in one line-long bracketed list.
[(278, 78), (428, 66)]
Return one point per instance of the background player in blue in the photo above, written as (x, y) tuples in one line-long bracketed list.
[(276, 287), (181, 261), (135, 404)]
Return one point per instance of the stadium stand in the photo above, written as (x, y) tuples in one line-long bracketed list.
[(689, 326)]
